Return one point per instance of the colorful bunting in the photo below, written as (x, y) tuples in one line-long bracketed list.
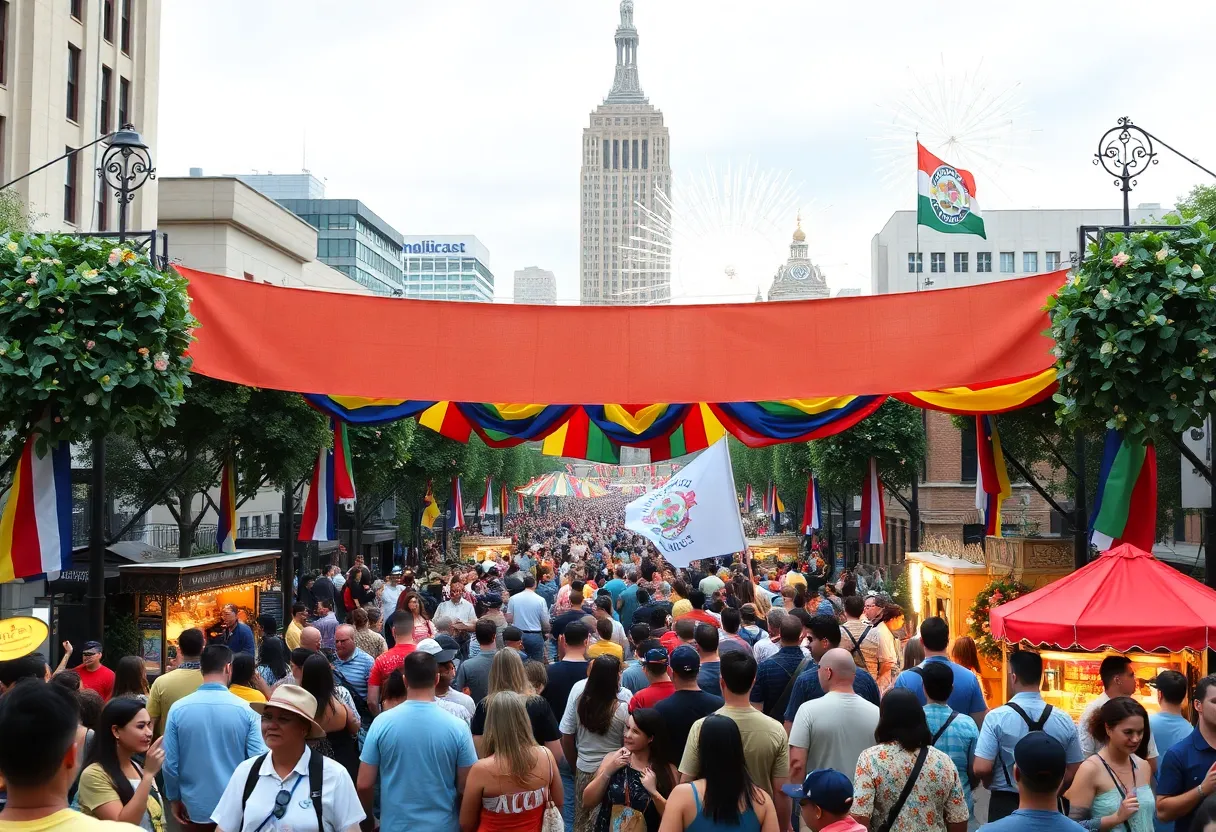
[(225, 531), (873, 512), (36, 525), (1125, 507)]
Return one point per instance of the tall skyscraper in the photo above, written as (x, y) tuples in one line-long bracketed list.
[(625, 161)]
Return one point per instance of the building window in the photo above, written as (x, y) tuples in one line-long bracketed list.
[(616, 154), (124, 102), (69, 188), (73, 108), (107, 20), (74, 8), (625, 154), (1072, 258), (103, 207), (107, 83), (3, 41), (960, 261), (1006, 262), (937, 261), (606, 153), (1053, 260), (242, 527), (635, 154), (126, 26), (916, 262), (983, 261), (1030, 262), (967, 455)]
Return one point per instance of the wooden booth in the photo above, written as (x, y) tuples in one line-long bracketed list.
[(475, 547), (175, 595)]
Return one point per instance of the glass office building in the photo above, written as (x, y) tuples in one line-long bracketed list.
[(352, 239), (451, 267)]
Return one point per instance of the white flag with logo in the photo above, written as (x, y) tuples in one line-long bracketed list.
[(695, 514)]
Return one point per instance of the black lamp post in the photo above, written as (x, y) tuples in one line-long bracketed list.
[(1125, 151), (126, 166)]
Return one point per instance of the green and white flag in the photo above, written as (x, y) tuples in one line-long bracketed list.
[(947, 197)]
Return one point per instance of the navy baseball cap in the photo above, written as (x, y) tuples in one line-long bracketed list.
[(827, 788), (91, 645), (1041, 756), (656, 656), (685, 659)]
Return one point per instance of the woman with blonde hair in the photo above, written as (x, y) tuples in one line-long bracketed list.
[(507, 676), (510, 787)]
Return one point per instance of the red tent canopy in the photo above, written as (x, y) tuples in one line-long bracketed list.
[(1125, 600)]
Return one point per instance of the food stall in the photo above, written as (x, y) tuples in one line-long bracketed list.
[(1126, 602), (175, 595), (945, 586), (475, 547), (774, 550)]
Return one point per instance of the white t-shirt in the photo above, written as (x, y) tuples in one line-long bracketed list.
[(388, 600), (460, 610), (340, 807), (1088, 745), (835, 729), (462, 699), (593, 747), (766, 648)]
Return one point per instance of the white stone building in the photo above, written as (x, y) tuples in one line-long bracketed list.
[(537, 286)]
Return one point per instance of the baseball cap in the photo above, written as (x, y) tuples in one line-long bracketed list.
[(429, 645), (447, 642), (396, 570), (656, 656), (827, 788), (1040, 756), (91, 645), (685, 659)]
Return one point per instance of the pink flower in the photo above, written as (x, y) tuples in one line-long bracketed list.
[(1119, 259), (115, 257), (88, 345), (160, 365), (31, 281)]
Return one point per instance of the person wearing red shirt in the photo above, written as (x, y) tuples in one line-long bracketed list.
[(682, 633), (660, 687), (390, 660), (93, 674), (698, 614)]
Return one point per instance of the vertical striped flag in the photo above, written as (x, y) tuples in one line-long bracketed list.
[(318, 522), (748, 499), (225, 532), (992, 479), (430, 507), (487, 499), (456, 506), (344, 472), (811, 519), (503, 504), (1125, 507), (519, 501), (873, 513), (36, 524)]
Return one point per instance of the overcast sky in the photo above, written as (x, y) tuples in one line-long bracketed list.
[(465, 116)]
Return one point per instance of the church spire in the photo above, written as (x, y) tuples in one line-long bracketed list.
[(626, 87)]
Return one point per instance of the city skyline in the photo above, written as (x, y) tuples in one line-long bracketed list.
[(487, 144)]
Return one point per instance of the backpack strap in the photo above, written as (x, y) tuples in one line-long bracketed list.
[(316, 775), (251, 781), (1032, 724), (778, 712), (945, 725)]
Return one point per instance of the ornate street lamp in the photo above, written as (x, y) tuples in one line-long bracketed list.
[(1125, 151), (126, 166)]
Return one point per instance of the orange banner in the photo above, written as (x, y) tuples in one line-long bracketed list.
[(319, 342)]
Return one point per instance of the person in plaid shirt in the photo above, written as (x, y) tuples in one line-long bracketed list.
[(953, 732)]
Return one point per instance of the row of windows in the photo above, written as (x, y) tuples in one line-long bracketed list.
[(983, 262), (330, 247), (627, 120), (365, 278), (439, 264), (376, 261), (255, 525), (620, 154), (330, 222), (76, 10)]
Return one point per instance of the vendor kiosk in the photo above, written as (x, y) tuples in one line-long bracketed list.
[(175, 595), (479, 548)]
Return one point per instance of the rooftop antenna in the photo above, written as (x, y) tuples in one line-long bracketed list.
[(304, 152)]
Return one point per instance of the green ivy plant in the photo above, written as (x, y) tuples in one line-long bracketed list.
[(1135, 333), (1000, 591), (92, 337)]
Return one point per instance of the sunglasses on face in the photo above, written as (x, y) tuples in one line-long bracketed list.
[(88, 654)]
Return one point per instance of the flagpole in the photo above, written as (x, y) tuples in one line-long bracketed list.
[(916, 266)]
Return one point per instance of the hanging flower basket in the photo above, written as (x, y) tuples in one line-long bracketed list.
[(998, 592)]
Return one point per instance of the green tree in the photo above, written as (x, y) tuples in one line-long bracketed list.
[(894, 435), (1200, 203)]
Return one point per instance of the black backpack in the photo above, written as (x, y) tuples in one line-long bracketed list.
[(316, 764)]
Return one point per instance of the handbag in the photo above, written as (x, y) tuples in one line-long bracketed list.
[(625, 818), (552, 820)]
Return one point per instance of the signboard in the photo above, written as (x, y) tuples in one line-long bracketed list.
[(151, 640), (228, 576), (21, 636), (271, 603), (1196, 490)]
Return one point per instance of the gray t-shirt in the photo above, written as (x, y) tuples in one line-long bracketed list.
[(592, 748), (474, 674), (835, 729)]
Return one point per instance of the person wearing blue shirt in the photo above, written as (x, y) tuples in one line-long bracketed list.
[(1040, 766), (1187, 775), (1168, 726), (351, 661), (617, 585), (528, 611), (825, 635), (967, 696), (235, 634), (420, 754), (627, 601), (954, 733), (1004, 726), (207, 735)]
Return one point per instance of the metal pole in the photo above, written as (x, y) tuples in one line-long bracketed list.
[(287, 556), (914, 520), (1080, 523), (1209, 542), (96, 595)]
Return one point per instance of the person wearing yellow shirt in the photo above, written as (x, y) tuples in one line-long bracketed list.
[(605, 646), (245, 679), (299, 620), (38, 761), (182, 681)]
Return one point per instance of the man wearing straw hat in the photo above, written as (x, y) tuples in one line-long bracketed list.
[(292, 786)]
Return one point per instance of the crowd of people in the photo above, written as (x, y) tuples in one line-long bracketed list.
[(581, 683)]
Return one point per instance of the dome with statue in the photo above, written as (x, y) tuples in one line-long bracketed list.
[(799, 278)]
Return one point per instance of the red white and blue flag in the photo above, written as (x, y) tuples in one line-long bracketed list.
[(873, 514), (344, 471), (748, 499), (319, 509), (487, 499), (36, 524), (992, 486), (225, 532), (811, 519), (456, 506)]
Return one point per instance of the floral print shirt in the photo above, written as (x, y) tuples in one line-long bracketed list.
[(936, 799)]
